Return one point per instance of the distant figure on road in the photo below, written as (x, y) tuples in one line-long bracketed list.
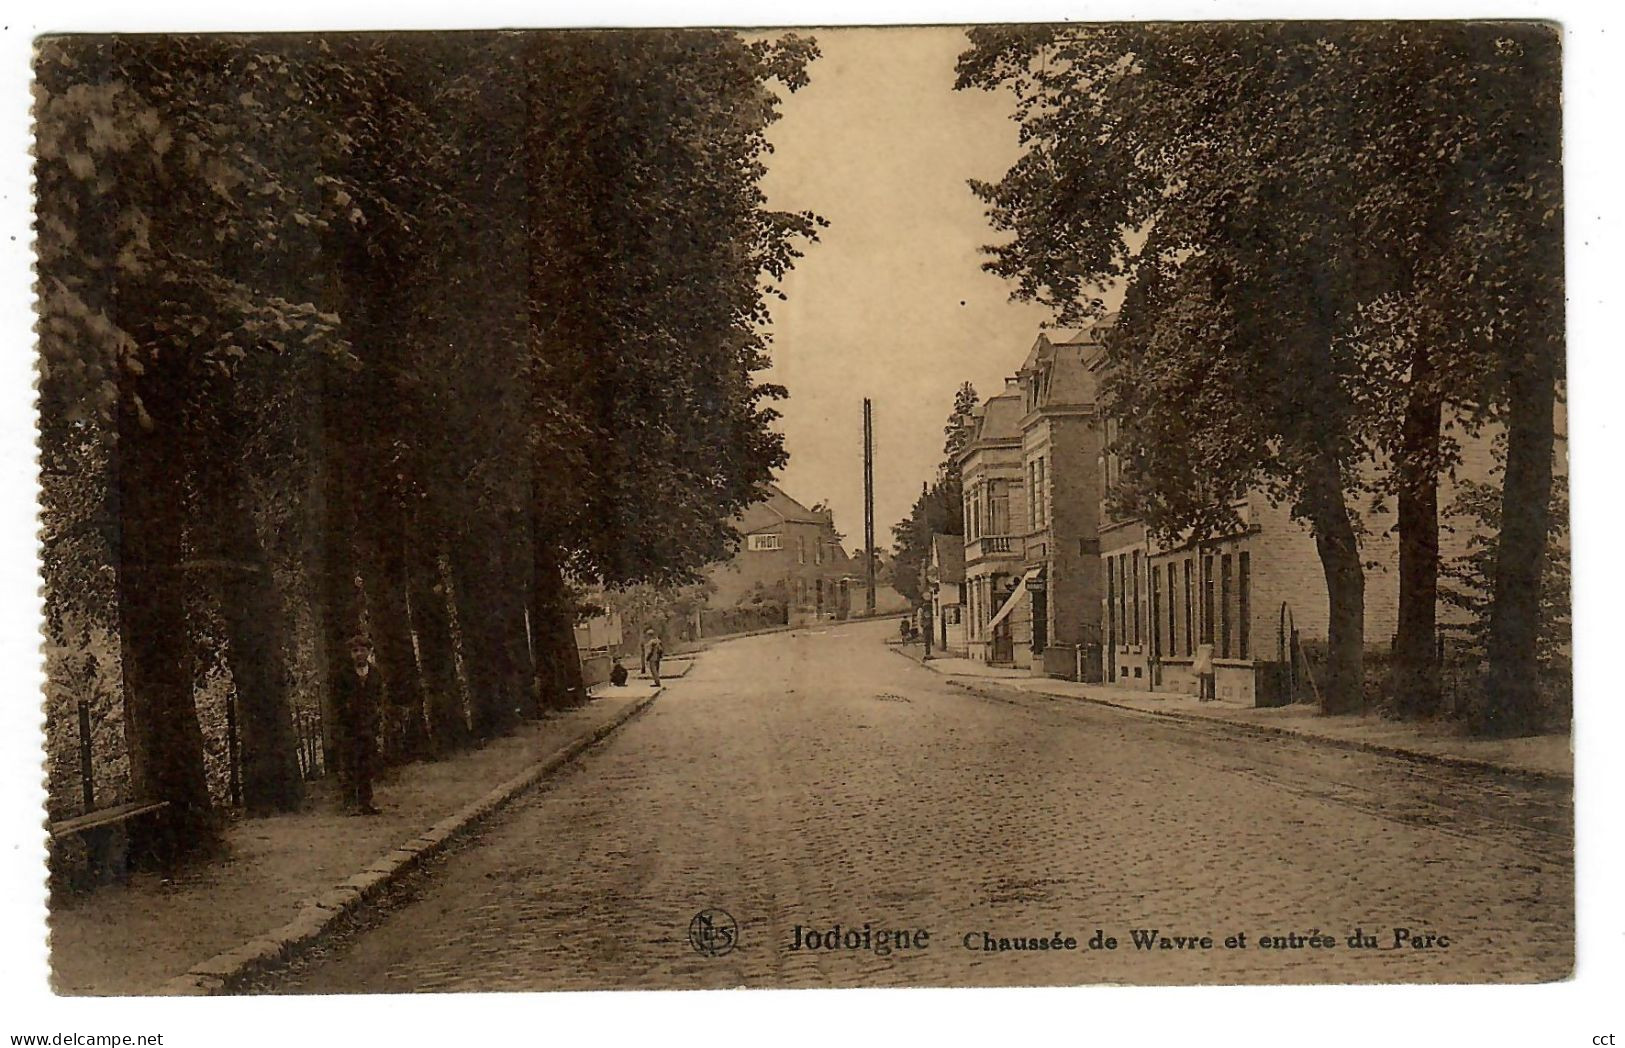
[(360, 695), (617, 674), (652, 652), (904, 629)]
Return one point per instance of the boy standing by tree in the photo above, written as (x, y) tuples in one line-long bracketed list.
[(357, 703)]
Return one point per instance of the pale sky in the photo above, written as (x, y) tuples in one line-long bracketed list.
[(891, 303)]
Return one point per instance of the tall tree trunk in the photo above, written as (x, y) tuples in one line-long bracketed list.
[(339, 608), (514, 598), (257, 644), (561, 637), (511, 597), (549, 683), (1510, 705), (492, 704), (161, 727), (1416, 671), (427, 595), (558, 664), (1339, 551), (405, 735)]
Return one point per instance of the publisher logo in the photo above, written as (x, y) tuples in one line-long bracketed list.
[(713, 933)]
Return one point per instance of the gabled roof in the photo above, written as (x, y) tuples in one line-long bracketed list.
[(775, 507), (948, 554)]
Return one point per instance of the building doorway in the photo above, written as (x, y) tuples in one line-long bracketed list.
[(1004, 648)]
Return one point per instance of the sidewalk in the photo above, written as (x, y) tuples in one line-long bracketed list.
[(1543, 756), (287, 878)]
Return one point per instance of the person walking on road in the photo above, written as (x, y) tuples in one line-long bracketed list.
[(652, 652)]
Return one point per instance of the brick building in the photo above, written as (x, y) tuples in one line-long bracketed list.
[(991, 470), (1054, 583), (1060, 445), (791, 554), (1031, 506), (1246, 591)]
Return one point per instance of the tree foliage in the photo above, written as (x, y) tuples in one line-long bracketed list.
[(938, 511), (462, 320), (1321, 229), (1469, 579)]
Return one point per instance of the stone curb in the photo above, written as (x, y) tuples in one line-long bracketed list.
[(1275, 731), (318, 915), (723, 638), (704, 643), (1267, 730)]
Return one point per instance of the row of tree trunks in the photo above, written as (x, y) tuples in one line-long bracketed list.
[(257, 645), (383, 535), (427, 594)]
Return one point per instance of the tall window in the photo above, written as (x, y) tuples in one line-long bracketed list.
[(1173, 622), (1207, 598), (1156, 612), (1224, 606), (1110, 564), (1190, 612), (1243, 601), (999, 504), (1122, 598), (1040, 502), (1136, 605), (801, 549)]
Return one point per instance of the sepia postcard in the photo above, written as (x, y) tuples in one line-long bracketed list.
[(945, 506)]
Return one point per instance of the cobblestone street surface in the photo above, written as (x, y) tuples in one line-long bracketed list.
[(814, 778)]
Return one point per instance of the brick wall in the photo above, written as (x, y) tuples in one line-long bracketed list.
[(1286, 568), (737, 578)]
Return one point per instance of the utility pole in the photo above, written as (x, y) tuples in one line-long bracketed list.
[(869, 504)]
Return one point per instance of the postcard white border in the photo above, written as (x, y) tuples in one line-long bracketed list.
[(1563, 1014)]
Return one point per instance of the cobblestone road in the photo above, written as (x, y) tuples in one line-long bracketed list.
[(816, 778)]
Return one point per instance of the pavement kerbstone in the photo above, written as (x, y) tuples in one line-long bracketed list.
[(235, 964), (191, 986), (1008, 686), (447, 828), (341, 899), (368, 884), (310, 923), (405, 855), (320, 913)]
